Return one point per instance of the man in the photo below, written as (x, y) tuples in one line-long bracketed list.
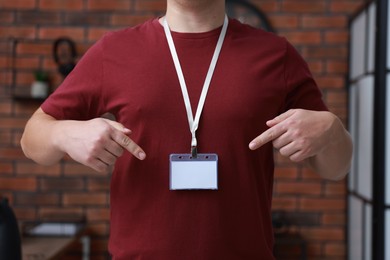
[(261, 94)]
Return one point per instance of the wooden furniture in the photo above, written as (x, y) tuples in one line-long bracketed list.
[(40, 248), (51, 240), (51, 248)]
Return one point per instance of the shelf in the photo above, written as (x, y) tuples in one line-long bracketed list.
[(28, 98)]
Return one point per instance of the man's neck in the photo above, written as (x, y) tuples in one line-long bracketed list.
[(195, 15)]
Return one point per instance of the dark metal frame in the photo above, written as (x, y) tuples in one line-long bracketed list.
[(379, 133), (379, 148), (350, 193)]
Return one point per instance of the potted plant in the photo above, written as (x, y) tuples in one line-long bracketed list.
[(40, 87)]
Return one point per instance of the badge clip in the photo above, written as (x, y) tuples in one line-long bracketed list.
[(194, 152)]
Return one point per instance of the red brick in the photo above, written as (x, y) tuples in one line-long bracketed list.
[(284, 203), (95, 34), (336, 98), (26, 108), (305, 6), (11, 153), (336, 37), (4, 61), (335, 189), (113, 5), (5, 80), (341, 112), (37, 199), (333, 219), (15, 140), (24, 79), (25, 214), (316, 66), (150, 6), (27, 63), (303, 37), (16, 136), (18, 184), (31, 168), (267, 6), (101, 184), (91, 198), (60, 213), (17, 31), (322, 204), (281, 160), (56, 80), (335, 81), (41, 18), (75, 33), (61, 184), (6, 137), (338, 52), (5, 108), (335, 249), (323, 233), (284, 22), (339, 21), (34, 48), (7, 17), (345, 6), (286, 172), (98, 214), (76, 169), (88, 18), (337, 66), (308, 173), (129, 20), (68, 5), (6, 167), (299, 188), (83, 47), (50, 65), (17, 4)]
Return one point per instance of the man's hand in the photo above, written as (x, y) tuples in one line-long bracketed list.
[(98, 143), (319, 138), (297, 133)]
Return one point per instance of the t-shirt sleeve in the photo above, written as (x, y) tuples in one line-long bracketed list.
[(80, 96), (302, 90)]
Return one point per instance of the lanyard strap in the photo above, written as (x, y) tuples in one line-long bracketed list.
[(194, 123)]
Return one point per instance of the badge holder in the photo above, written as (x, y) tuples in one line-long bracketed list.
[(193, 173)]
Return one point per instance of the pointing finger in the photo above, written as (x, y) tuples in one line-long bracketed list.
[(118, 126), (267, 136), (128, 144), (132, 147), (123, 140), (280, 118)]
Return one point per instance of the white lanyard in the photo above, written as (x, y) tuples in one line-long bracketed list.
[(194, 123)]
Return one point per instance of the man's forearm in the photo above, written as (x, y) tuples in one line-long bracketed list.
[(333, 162), (38, 139)]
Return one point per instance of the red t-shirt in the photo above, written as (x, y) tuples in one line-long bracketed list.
[(130, 73)]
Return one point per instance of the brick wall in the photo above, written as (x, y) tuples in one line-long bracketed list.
[(317, 28)]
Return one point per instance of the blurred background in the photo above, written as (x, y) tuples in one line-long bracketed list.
[(41, 41)]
